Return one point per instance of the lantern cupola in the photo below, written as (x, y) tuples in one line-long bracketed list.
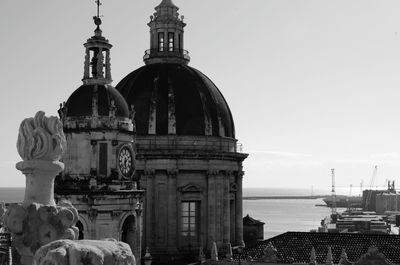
[(166, 36), (97, 69)]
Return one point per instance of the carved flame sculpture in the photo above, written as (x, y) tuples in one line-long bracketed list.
[(41, 138)]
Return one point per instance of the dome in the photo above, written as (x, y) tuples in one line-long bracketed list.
[(173, 95), (80, 103)]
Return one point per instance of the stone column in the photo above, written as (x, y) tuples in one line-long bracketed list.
[(38, 221), (219, 204), (172, 209), (239, 209), (227, 211), (86, 69), (108, 65), (211, 208), (100, 63), (149, 209)]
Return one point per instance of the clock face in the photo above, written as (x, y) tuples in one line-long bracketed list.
[(125, 161)]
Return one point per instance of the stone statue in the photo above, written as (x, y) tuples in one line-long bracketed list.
[(38, 220), (132, 113), (214, 252), (84, 252), (270, 254), (112, 109), (61, 111)]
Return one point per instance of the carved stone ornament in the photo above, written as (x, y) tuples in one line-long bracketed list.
[(373, 256), (38, 221), (85, 252), (270, 254), (37, 225), (41, 143), (190, 188)]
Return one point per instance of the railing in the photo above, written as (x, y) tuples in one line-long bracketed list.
[(188, 143), (5, 249), (166, 53)]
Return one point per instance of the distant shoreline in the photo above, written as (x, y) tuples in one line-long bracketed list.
[(289, 197)]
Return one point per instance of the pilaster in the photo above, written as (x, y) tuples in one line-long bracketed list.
[(149, 212), (227, 210), (172, 209), (239, 208), (211, 191)]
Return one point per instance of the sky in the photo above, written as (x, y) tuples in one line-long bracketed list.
[(312, 84)]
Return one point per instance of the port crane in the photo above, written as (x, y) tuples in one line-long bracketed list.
[(334, 211), (371, 184)]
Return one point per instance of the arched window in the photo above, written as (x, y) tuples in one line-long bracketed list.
[(171, 41), (128, 231), (161, 41), (79, 225)]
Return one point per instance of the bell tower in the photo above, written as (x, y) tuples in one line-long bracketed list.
[(99, 176), (97, 69), (166, 36)]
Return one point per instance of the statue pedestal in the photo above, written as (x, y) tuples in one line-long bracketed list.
[(40, 176)]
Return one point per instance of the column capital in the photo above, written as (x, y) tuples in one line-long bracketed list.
[(228, 173), (172, 172), (149, 173), (212, 172)]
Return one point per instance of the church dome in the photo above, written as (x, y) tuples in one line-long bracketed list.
[(174, 98), (96, 98)]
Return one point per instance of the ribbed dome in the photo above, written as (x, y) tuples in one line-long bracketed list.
[(80, 103), (177, 96)]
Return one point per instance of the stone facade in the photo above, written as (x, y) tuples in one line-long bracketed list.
[(209, 177), (99, 175), (188, 159)]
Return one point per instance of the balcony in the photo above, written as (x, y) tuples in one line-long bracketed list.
[(174, 143), (166, 55)]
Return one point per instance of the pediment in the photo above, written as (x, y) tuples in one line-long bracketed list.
[(191, 188)]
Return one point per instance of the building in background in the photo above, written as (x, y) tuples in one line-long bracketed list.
[(188, 158), (99, 162), (253, 231), (184, 153)]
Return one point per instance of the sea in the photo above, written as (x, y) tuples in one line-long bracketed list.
[(279, 215)]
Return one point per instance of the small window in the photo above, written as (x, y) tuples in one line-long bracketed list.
[(190, 222), (103, 152), (161, 41), (170, 41), (179, 42)]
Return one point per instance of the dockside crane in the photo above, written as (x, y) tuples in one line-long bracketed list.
[(334, 211), (371, 184)]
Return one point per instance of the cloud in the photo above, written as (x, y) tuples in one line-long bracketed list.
[(279, 153), (276, 159), (386, 156)]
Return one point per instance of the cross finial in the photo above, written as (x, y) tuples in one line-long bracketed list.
[(98, 7)]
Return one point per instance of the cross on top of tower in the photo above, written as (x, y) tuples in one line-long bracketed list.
[(97, 19), (98, 7)]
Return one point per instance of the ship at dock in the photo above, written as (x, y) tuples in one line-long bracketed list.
[(343, 201)]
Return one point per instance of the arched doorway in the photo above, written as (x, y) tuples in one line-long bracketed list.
[(79, 225), (128, 231)]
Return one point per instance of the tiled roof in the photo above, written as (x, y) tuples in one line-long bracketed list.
[(248, 220), (295, 247)]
